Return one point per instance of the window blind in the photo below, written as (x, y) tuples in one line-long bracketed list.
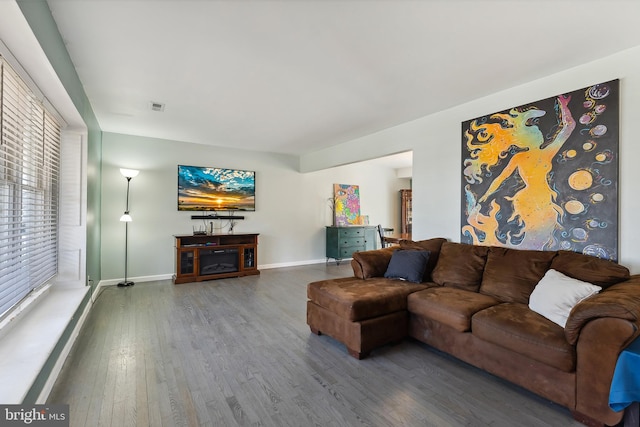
[(29, 179)]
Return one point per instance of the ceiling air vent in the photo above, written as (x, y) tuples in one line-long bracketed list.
[(156, 106)]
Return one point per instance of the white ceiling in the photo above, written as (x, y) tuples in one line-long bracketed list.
[(297, 76)]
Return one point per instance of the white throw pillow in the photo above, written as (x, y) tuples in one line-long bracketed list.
[(556, 294)]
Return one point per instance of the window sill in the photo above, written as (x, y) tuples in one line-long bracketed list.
[(28, 342)]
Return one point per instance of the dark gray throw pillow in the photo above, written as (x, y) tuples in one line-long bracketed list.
[(407, 265)]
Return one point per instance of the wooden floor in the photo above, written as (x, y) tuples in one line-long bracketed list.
[(238, 352)]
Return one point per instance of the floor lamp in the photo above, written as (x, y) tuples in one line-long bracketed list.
[(126, 218)]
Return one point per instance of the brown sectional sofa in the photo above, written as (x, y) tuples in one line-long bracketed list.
[(473, 303)]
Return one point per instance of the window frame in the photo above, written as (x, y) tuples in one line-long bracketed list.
[(30, 162)]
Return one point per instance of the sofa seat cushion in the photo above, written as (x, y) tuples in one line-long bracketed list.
[(356, 299), (511, 274), (515, 327), (460, 266), (451, 306)]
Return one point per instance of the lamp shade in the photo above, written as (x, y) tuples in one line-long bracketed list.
[(126, 217), (129, 173)]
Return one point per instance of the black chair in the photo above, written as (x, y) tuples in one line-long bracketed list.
[(383, 243)]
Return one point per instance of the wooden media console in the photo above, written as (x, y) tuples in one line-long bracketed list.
[(215, 256)]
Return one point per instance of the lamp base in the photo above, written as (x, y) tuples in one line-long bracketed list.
[(126, 283)]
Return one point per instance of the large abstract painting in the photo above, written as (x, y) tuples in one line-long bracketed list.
[(545, 175), (347, 204)]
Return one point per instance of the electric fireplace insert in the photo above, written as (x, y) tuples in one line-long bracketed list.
[(216, 261)]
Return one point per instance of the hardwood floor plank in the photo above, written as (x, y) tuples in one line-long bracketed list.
[(238, 352)]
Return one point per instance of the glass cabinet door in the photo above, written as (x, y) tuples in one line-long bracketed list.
[(405, 211), (187, 261), (249, 258)]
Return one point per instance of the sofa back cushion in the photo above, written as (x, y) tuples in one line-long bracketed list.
[(368, 264), (460, 266), (600, 272), (431, 245), (510, 275)]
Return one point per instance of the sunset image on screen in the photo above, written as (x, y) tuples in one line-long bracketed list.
[(206, 188)]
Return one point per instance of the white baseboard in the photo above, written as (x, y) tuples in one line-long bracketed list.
[(112, 282), (140, 279), (293, 264)]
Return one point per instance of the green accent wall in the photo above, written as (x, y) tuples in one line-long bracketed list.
[(38, 15)]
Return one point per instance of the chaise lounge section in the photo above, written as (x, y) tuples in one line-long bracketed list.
[(483, 305), (364, 314)]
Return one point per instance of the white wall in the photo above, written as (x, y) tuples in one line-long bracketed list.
[(292, 208), (436, 144)]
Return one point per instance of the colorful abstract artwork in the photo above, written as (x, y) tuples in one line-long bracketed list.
[(347, 204), (544, 175)]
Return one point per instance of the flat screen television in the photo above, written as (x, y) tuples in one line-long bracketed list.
[(215, 189)]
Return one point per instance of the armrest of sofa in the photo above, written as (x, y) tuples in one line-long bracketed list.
[(620, 301), (372, 263), (600, 343), (601, 327)]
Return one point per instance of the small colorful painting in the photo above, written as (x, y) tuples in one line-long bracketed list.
[(544, 175), (346, 204)]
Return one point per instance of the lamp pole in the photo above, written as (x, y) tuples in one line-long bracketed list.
[(126, 218)]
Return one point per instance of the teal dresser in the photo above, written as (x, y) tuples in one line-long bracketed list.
[(342, 242)]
